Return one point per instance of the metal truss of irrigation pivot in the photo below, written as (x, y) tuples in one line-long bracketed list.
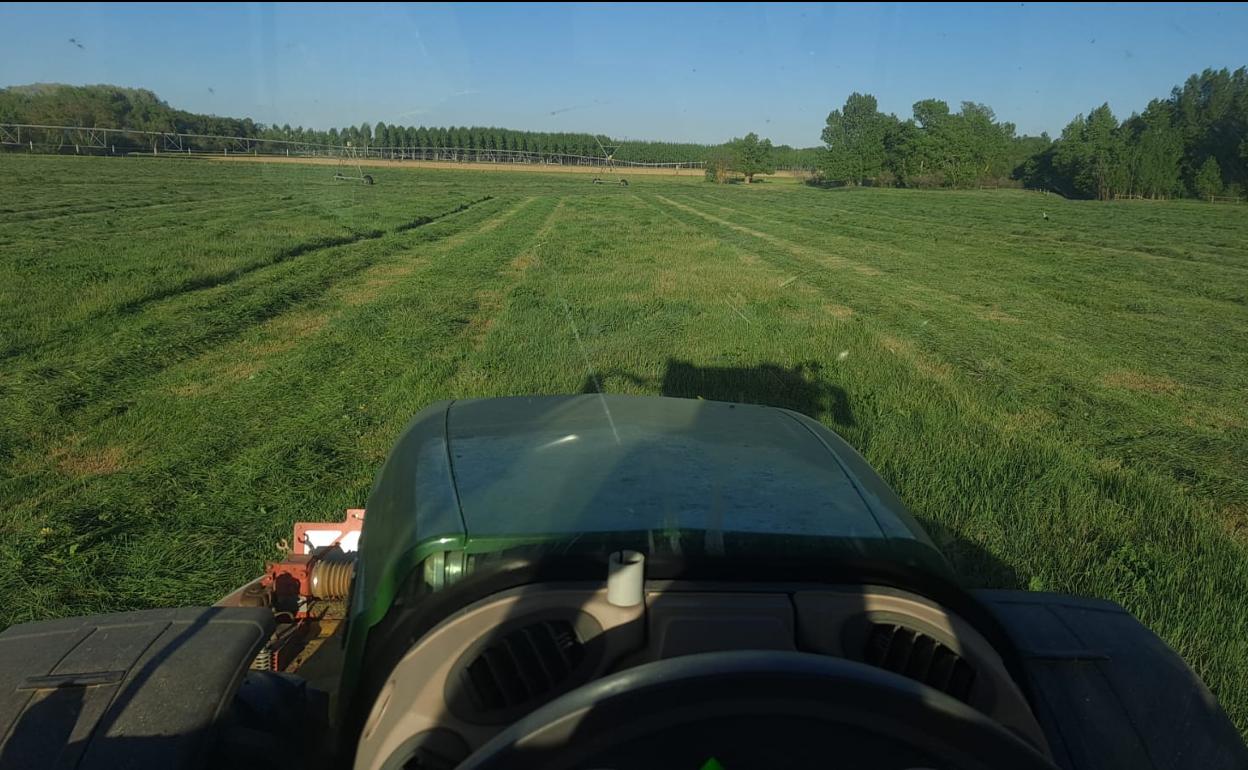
[(608, 161), (96, 141)]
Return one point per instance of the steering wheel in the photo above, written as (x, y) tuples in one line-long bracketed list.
[(755, 709)]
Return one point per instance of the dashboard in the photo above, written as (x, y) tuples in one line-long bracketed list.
[(500, 658)]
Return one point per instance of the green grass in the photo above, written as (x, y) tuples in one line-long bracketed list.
[(196, 354)]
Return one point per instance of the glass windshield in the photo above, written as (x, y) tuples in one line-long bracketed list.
[(1002, 250)]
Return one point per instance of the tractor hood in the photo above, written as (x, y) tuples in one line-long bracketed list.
[(565, 466), (593, 473)]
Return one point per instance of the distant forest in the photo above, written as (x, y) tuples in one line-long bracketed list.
[(1193, 143), (106, 106)]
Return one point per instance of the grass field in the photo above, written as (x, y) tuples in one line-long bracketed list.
[(196, 354)]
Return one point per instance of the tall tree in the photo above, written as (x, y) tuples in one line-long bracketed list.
[(719, 164), (1091, 157), (751, 156), (929, 149), (1155, 149), (1209, 178), (1212, 113), (1162, 151), (854, 136), (985, 142)]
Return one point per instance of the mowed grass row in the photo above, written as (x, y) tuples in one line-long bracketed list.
[(659, 301), (1133, 359), (184, 491), (984, 360), (69, 269)]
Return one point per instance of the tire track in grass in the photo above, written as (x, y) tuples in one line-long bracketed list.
[(232, 361), (933, 294), (867, 212), (377, 279), (1044, 505), (331, 405), (926, 298), (1020, 241), (148, 259), (932, 368), (493, 304), (950, 374), (1018, 248), (381, 277), (206, 216), (817, 307), (984, 311), (493, 224), (937, 371), (215, 280), (830, 260), (1040, 350), (12, 218), (412, 224), (284, 332), (1068, 328), (1059, 357), (121, 207), (581, 286), (290, 252), (209, 216), (799, 263), (72, 391)]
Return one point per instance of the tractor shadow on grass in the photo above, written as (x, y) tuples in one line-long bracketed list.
[(800, 388), (975, 566)]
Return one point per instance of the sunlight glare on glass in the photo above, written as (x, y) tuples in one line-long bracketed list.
[(568, 439)]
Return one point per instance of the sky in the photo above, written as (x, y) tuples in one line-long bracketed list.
[(702, 73)]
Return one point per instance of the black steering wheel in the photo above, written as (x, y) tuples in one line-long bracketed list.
[(755, 709)]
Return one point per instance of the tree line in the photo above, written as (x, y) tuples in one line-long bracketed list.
[(1194, 143), (104, 106), (935, 148)]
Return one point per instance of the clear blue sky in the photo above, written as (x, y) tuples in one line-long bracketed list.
[(689, 73)]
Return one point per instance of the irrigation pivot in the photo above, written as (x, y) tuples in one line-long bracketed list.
[(346, 160), (608, 163)]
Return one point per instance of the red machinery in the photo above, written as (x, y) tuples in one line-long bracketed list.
[(306, 590)]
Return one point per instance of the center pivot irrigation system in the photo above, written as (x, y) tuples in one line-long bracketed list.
[(348, 159), (608, 163)]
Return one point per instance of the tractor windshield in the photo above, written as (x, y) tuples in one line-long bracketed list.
[(996, 252)]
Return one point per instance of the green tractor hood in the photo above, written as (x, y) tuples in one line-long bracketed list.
[(591, 474)]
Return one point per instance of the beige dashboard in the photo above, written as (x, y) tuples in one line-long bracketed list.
[(498, 659)]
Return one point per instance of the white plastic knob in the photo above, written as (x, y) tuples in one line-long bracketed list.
[(626, 575)]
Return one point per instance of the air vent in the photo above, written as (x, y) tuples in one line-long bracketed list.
[(919, 657), (523, 666)]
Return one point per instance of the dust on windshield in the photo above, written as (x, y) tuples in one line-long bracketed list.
[(1000, 250)]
